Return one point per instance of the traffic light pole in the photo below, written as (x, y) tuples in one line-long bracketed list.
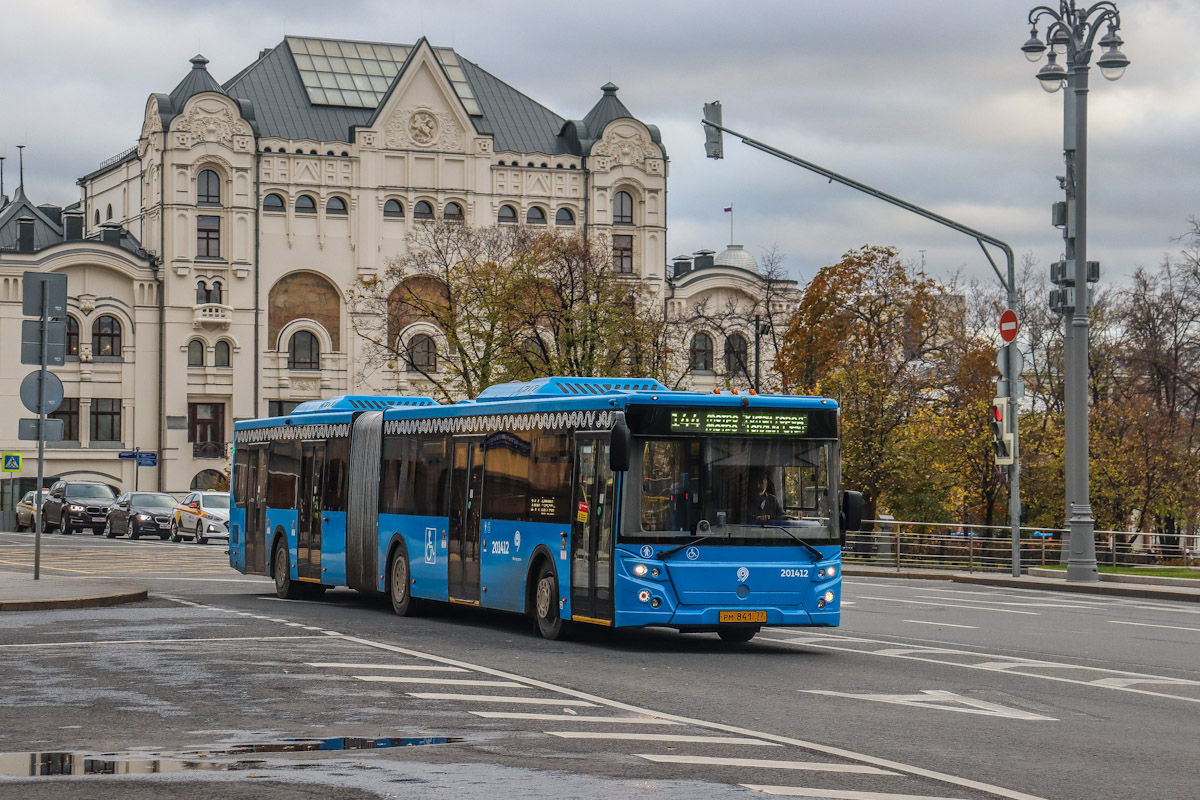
[(37, 495), (714, 149)]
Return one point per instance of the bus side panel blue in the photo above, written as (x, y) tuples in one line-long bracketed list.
[(237, 538), (333, 548), (425, 538), (284, 518), (505, 549)]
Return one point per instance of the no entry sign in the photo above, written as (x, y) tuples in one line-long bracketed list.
[(1008, 325)]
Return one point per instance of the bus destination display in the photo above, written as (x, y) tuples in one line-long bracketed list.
[(750, 423)]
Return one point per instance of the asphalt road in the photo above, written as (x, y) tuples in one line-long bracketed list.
[(929, 689)]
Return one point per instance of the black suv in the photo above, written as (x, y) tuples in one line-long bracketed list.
[(74, 505)]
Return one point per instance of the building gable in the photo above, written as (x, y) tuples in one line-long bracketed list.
[(421, 110)]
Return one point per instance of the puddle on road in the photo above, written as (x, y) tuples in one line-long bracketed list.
[(31, 764)]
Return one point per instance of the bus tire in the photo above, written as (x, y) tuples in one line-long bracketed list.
[(739, 634), (285, 587), (400, 583), (545, 604)]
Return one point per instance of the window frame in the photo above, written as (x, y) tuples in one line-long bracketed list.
[(195, 353), (113, 337), (500, 218), (421, 353), (208, 236), (220, 346), (570, 217), (698, 352), (204, 194), (459, 217), (423, 210), (330, 211), (72, 341), (529, 218), (68, 412), (309, 199), (104, 415), (622, 245), (398, 213), (313, 359), (279, 209), (742, 354), (619, 200)]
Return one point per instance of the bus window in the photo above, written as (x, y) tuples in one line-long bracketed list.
[(506, 477), (337, 463), (241, 469), (397, 474), (670, 484), (550, 478), (283, 474), (430, 475)]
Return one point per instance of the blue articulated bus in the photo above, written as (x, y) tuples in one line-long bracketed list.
[(614, 502)]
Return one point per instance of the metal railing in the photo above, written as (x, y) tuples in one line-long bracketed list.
[(210, 449), (988, 548)]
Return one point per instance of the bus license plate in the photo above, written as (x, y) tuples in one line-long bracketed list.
[(743, 616)]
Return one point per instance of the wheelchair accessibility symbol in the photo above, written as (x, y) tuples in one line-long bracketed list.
[(692, 553)]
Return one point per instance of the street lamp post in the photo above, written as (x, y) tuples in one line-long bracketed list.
[(1071, 33)]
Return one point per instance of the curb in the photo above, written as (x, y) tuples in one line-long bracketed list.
[(1109, 588), (92, 601)]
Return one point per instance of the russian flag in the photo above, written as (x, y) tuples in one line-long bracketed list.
[(729, 209)]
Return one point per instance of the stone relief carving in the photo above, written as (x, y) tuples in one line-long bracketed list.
[(85, 352), (633, 149), (87, 303), (305, 384), (212, 124), (422, 127)]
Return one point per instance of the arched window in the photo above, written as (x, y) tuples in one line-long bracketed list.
[(72, 336), (108, 215), (736, 351), (201, 293), (535, 216), (392, 208), (208, 188), (273, 202), (701, 353), (453, 212), (304, 352), (305, 205), (335, 207), (507, 215), (215, 293), (622, 209), (195, 353), (106, 337), (97, 217), (422, 210), (422, 354), (221, 354), (564, 217)]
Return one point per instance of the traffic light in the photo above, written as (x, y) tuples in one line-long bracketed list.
[(713, 146), (1002, 434)]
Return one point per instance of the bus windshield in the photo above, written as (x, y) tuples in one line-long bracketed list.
[(749, 490)]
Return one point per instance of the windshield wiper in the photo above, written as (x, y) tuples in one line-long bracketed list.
[(816, 553), (664, 555)]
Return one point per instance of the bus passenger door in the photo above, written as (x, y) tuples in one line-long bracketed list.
[(592, 532), (308, 523), (254, 533), (466, 508)]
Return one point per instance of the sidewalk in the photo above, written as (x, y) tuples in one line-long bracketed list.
[(20, 592), (1110, 585)]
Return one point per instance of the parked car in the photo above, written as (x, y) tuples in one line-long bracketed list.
[(74, 505), (28, 507), (201, 516), (140, 514)]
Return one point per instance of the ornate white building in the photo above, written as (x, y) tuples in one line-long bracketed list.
[(208, 265)]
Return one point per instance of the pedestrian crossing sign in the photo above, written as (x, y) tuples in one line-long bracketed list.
[(12, 462)]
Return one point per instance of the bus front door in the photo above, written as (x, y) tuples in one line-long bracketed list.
[(466, 509), (308, 522), (592, 532), (254, 535)]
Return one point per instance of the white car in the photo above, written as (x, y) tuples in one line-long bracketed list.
[(201, 516)]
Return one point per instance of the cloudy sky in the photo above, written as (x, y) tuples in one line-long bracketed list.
[(930, 100)]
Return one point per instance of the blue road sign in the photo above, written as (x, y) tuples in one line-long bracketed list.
[(12, 462), (147, 459), (127, 454)]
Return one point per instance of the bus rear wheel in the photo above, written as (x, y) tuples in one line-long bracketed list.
[(545, 605), (400, 584), (737, 634), (285, 587)]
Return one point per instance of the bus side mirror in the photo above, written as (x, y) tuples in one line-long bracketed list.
[(620, 443), (852, 512)]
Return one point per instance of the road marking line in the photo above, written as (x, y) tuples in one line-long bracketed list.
[(662, 737), (1029, 603), (947, 624), (1148, 625), (761, 763), (500, 698), (160, 641), (442, 681), (336, 665), (571, 717), (942, 701), (951, 605), (837, 794)]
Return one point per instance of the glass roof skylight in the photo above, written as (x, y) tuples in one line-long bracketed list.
[(357, 74)]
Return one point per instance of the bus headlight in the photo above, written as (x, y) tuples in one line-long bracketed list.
[(829, 597), (644, 595), (655, 603), (827, 572), (654, 573), (640, 570)]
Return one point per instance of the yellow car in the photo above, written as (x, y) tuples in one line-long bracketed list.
[(27, 508), (201, 516)]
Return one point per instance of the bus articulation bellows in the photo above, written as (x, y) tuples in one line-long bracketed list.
[(606, 501)]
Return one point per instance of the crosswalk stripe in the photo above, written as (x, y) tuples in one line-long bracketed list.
[(759, 763), (662, 737), (838, 794), (430, 668), (500, 698), (572, 718), (442, 681)]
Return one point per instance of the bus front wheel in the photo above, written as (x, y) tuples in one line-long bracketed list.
[(285, 587), (545, 605), (400, 584)]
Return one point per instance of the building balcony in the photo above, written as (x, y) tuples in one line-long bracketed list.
[(210, 450), (213, 314)]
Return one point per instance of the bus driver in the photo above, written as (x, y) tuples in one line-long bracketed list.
[(762, 505)]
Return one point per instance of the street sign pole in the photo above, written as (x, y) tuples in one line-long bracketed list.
[(41, 472), (137, 467)]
